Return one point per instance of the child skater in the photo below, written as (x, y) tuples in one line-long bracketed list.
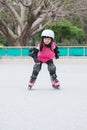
[(45, 53)]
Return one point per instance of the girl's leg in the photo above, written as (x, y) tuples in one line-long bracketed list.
[(52, 71), (36, 69)]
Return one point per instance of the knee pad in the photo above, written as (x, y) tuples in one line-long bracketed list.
[(36, 68), (52, 69)]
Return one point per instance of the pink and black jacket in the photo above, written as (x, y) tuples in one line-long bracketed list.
[(46, 54)]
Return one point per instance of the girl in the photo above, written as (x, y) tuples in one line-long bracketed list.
[(45, 53)]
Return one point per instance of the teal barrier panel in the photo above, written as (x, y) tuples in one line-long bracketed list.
[(63, 51), (76, 51), (13, 51), (25, 51), (2, 51), (85, 51)]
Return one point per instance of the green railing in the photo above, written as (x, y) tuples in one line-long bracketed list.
[(24, 51)]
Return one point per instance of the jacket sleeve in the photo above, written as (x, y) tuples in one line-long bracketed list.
[(33, 53), (56, 51)]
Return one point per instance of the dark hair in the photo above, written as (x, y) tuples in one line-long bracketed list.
[(42, 43)]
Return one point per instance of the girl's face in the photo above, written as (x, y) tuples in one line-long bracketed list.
[(47, 40)]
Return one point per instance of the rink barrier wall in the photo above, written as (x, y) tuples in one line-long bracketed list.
[(25, 51)]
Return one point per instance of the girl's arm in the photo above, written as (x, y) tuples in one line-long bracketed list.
[(33, 54), (56, 51)]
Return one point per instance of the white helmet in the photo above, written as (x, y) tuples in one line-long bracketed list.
[(47, 33)]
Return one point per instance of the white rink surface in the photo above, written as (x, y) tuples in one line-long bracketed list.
[(43, 108)]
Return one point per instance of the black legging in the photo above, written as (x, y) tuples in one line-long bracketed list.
[(37, 68)]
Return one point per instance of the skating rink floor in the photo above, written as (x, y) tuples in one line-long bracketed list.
[(43, 108)]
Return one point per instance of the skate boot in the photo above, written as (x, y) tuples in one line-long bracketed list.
[(55, 82), (31, 82)]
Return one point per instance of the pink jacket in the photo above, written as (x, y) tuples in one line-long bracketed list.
[(46, 53)]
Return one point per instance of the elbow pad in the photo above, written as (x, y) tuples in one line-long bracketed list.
[(33, 52), (56, 51)]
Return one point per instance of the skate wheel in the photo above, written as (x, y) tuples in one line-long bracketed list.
[(29, 87), (56, 87)]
